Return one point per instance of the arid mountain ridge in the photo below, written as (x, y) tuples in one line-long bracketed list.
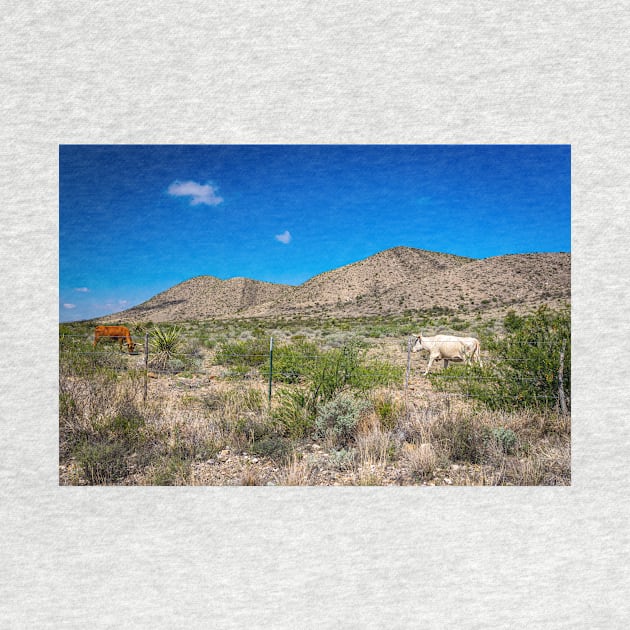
[(390, 282)]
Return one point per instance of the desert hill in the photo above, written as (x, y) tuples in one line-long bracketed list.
[(388, 282), (202, 297), (359, 285)]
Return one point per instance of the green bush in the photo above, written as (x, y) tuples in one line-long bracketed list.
[(505, 438), (171, 470), (274, 447), (388, 411), (342, 369), (343, 459), (338, 418), (292, 362), (462, 438), (166, 348), (294, 412), (374, 373), (102, 462), (523, 370), (528, 359), (243, 355)]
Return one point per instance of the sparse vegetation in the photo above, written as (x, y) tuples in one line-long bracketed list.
[(526, 364), (338, 414)]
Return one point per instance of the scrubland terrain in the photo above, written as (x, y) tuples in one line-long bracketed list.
[(343, 409)]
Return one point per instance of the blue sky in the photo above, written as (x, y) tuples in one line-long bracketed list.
[(135, 220)]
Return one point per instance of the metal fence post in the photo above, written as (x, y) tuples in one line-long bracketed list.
[(146, 365), (407, 375), (561, 398), (270, 367)]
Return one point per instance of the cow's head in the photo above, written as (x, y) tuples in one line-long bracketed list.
[(417, 346), (132, 346)]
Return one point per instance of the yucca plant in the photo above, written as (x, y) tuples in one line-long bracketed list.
[(166, 346)]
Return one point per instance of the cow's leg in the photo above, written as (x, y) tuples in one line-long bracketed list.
[(429, 364), (445, 363)]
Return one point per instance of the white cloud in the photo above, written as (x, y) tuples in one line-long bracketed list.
[(199, 193), (82, 289), (67, 305), (285, 237), (123, 302)]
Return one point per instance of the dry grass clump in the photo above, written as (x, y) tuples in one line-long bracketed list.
[(389, 411), (251, 477), (297, 472), (421, 459), (374, 447)]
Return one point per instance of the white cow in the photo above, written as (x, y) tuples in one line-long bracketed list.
[(448, 348), (473, 349)]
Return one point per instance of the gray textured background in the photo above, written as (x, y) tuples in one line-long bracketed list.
[(301, 72)]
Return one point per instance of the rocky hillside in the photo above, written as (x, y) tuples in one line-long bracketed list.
[(202, 297), (391, 281), (358, 288)]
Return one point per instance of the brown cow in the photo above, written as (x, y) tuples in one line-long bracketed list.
[(114, 332)]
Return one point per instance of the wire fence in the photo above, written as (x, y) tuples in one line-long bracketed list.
[(200, 356)]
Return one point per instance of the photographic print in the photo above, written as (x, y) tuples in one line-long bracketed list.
[(323, 315)]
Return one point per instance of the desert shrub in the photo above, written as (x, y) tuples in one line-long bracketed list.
[(293, 412), (102, 461), (245, 354), (125, 427), (338, 418), (528, 360), (213, 401), (274, 447), (421, 459), (461, 438), (375, 447), (254, 428), (374, 373), (104, 448), (292, 362), (181, 441), (78, 356), (170, 470), (166, 349), (513, 322), (504, 438), (235, 401), (337, 369), (525, 364), (343, 459), (252, 399), (388, 410)]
